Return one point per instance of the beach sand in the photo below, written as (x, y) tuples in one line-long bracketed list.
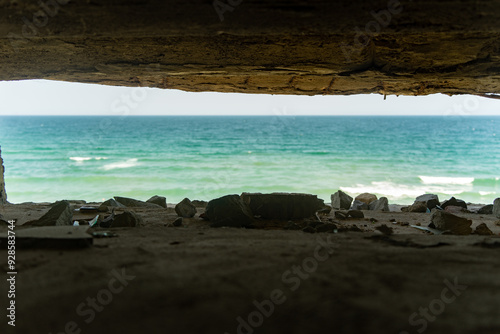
[(197, 279)]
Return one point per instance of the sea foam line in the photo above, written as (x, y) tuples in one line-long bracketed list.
[(123, 164), (446, 180)]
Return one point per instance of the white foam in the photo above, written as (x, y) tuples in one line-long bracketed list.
[(123, 164), (80, 159), (486, 193), (446, 180)]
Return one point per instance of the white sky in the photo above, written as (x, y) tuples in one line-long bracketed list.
[(41, 97)]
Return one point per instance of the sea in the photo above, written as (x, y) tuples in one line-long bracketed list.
[(93, 158)]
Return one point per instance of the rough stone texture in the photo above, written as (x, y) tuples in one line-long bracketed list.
[(430, 200), (229, 211), (445, 221), (60, 214), (366, 198), (482, 229), (127, 219), (455, 209), (382, 204), (358, 205), (3, 194), (109, 203), (355, 214), (185, 208), (496, 208), (340, 200), (158, 200), (454, 202), (418, 207), (486, 210), (282, 205), (131, 203), (278, 47)]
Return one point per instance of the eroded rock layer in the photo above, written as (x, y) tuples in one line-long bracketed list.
[(278, 47)]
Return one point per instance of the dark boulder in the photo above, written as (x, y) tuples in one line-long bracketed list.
[(158, 200), (134, 203), (340, 200), (430, 200), (185, 208), (127, 219), (482, 229), (358, 205), (454, 202), (381, 204), (229, 210), (486, 210), (60, 214), (446, 221), (496, 208)]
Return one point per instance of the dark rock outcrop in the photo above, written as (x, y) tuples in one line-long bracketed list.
[(229, 210), (340, 200), (158, 200), (482, 229), (110, 203), (430, 200), (454, 202), (446, 221), (358, 205), (133, 203), (185, 208), (486, 210), (60, 214), (381, 204), (283, 206), (127, 219)]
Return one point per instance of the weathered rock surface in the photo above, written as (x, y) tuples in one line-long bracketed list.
[(60, 214), (199, 204), (3, 194), (455, 209), (418, 207), (382, 204), (454, 202), (445, 221), (127, 219), (110, 203), (486, 210), (340, 200), (177, 222), (229, 210), (366, 198), (482, 229), (355, 214), (282, 205), (134, 203), (430, 200), (358, 205), (185, 208), (496, 208), (158, 200)]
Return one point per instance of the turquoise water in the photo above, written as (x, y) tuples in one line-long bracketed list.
[(203, 157)]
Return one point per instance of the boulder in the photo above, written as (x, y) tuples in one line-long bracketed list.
[(127, 219), (454, 202), (496, 208), (482, 229), (455, 209), (366, 198), (133, 203), (358, 205), (446, 221), (177, 222), (283, 206), (109, 203), (486, 210), (60, 214), (355, 214), (229, 210), (418, 207), (430, 200), (381, 204), (199, 204), (3, 194), (158, 200), (341, 214), (185, 208), (340, 200)]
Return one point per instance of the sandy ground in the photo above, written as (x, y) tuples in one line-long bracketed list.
[(197, 279)]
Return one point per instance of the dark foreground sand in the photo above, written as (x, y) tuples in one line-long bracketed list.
[(197, 279)]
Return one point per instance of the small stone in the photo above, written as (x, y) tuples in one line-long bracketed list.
[(430, 200), (185, 208), (385, 229), (309, 229), (418, 207), (341, 215), (366, 198), (446, 221), (482, 229), (355, 214), (340, 200), (454, 202), (127, 219), (60, 214), (177, 222), (405, 209), (496, 207), (158, 200), (486, 210), (381, 204), (392, 220), (358, 205)]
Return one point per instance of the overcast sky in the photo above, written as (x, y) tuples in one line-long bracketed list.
[(40, 97)]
